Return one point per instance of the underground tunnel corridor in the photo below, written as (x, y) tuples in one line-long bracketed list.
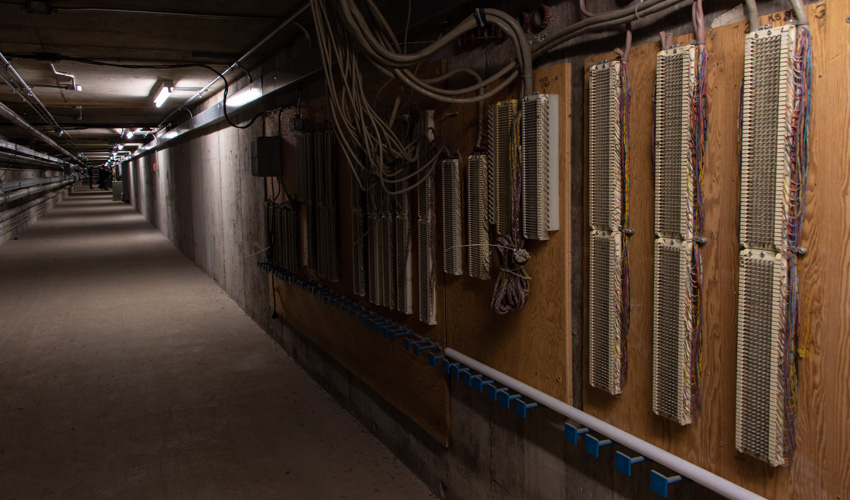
[(126, 372)]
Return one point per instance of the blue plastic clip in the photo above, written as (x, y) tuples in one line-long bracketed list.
[(410, 345), (493, 392), (522, 407), (506, 397), (479, 384), (384, 328), (593, 443), (398, 333), (447, 367), (363, 316), (379, 322), (660, 483), (457, 371), (467, 378), (433, 358), (624, 463), (571, 432), (417, 349)]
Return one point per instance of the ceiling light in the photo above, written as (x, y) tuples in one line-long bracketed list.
[(244, 97), (120, 147), (130, 134), (164, 92)]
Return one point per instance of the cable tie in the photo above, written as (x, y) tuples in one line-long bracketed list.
[(480, 17)]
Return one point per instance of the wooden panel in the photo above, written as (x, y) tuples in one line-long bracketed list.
[(534, 344), (823, 454), (407, 382)]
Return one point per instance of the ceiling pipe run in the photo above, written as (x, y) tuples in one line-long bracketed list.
[(20, 87), (30, 98), (73, 84), (29, 191), (193, 15), (289, 20), (19, 122), (24, 151)]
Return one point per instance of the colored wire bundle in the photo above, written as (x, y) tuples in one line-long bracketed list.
[(698, 137), (513, 283), (625, 160), (796, 193)]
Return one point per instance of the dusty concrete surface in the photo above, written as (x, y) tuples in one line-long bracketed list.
[(125, 372)]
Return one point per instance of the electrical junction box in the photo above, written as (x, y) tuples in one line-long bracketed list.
[(266, 158)]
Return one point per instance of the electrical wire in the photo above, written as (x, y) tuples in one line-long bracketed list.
[(624, 301), (698, 137), (752, 14), (513, 284), (796, 201)]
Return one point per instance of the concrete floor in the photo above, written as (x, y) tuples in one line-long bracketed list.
[(125, 372)]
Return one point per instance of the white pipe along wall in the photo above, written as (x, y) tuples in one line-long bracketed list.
[(648, 450)]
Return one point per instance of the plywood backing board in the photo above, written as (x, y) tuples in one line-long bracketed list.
[(534, 344), (407, 382), (823, 454)]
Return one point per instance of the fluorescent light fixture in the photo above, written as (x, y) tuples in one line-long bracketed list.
[(164, 92), (243, 97)]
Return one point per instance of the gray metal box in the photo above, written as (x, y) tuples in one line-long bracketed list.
[(266, 156)]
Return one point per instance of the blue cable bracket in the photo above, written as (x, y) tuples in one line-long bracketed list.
[(624, 463), (592, 444), (571, 432), (659, 483)]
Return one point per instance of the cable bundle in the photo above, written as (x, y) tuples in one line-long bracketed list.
[(625, 159), (698, 136), (367, 139), (796, 193), (513, 284)]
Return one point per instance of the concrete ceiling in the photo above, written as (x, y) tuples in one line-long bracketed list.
[(73, 34)]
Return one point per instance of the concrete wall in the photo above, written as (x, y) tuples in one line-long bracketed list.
[(202, 197), (16, 216)]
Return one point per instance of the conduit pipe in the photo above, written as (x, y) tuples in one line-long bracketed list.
[(15, 161), (36, 105), (648, 450), (7, 224), (23, 193), (28, 94), (239, 61), (7, 113)]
